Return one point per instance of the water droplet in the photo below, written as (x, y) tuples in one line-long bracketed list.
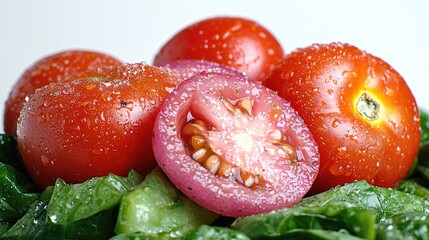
[(342, 149), (53, 218), (45, 160), (336, 169), (102, 117)]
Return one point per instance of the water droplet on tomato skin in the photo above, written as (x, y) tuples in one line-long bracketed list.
[(336, 169)]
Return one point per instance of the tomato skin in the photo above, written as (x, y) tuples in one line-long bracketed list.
[(50, 69), (247, 142), (231, 41), (324, 83), (188, 68), (95, 126)]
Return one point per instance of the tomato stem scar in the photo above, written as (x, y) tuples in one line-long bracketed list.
[(367, 107)]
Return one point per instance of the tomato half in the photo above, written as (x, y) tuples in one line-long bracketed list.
[(234, 146), (47, 70), (360, 111), (95, 126), (231, 41)]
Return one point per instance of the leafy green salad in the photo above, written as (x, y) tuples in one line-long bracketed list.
[(150, 207)]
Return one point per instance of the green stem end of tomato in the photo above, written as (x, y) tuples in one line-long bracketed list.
[(367, 107)]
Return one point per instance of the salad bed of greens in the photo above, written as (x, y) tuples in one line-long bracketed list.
[(133, 207)]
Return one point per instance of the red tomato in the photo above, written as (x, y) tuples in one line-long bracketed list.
[(234, 146), (188, 68), (360, 111), (95, 126), (235, 42), (50, 69)]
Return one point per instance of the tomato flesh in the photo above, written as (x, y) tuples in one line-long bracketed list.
[(234, 146)]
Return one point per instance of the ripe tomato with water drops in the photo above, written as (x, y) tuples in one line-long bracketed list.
[(50, 69), (234, 146), (360, 111), (188, 68), (231, 41), (77, 130)]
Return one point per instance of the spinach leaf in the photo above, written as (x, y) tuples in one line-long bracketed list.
[(317, 234), (413, 187), (354, 210), (144, 236), (413, 225), (420, 168), (17, 193), (33, 223), (9, 153), (79, 211), (384, 202), (70, 203), (205, 232), (424, 122), (283, 223)]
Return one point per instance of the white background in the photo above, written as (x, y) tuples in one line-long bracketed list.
[(133, 31)]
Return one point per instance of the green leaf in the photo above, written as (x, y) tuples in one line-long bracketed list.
[(70, 203), (420, 167), (33, 223), (205, 232), (424, 123), (384, 202), (318, 234), (413, 225), (335, 218), (412, 187), (79, 211), (16, 196), (144, 236), (9, 153)]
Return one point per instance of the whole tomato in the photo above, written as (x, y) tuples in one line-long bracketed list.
[(360, 111), (50, 69), (231, 41), (76, 130)]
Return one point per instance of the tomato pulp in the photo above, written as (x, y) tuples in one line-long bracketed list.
[(234, 146)]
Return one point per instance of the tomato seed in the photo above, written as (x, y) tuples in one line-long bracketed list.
[(287, 149), (200, 155), (213, 163), (276, 135), (245, 106), (193, 136), (225, 169), (197, 142), (228, 105)]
